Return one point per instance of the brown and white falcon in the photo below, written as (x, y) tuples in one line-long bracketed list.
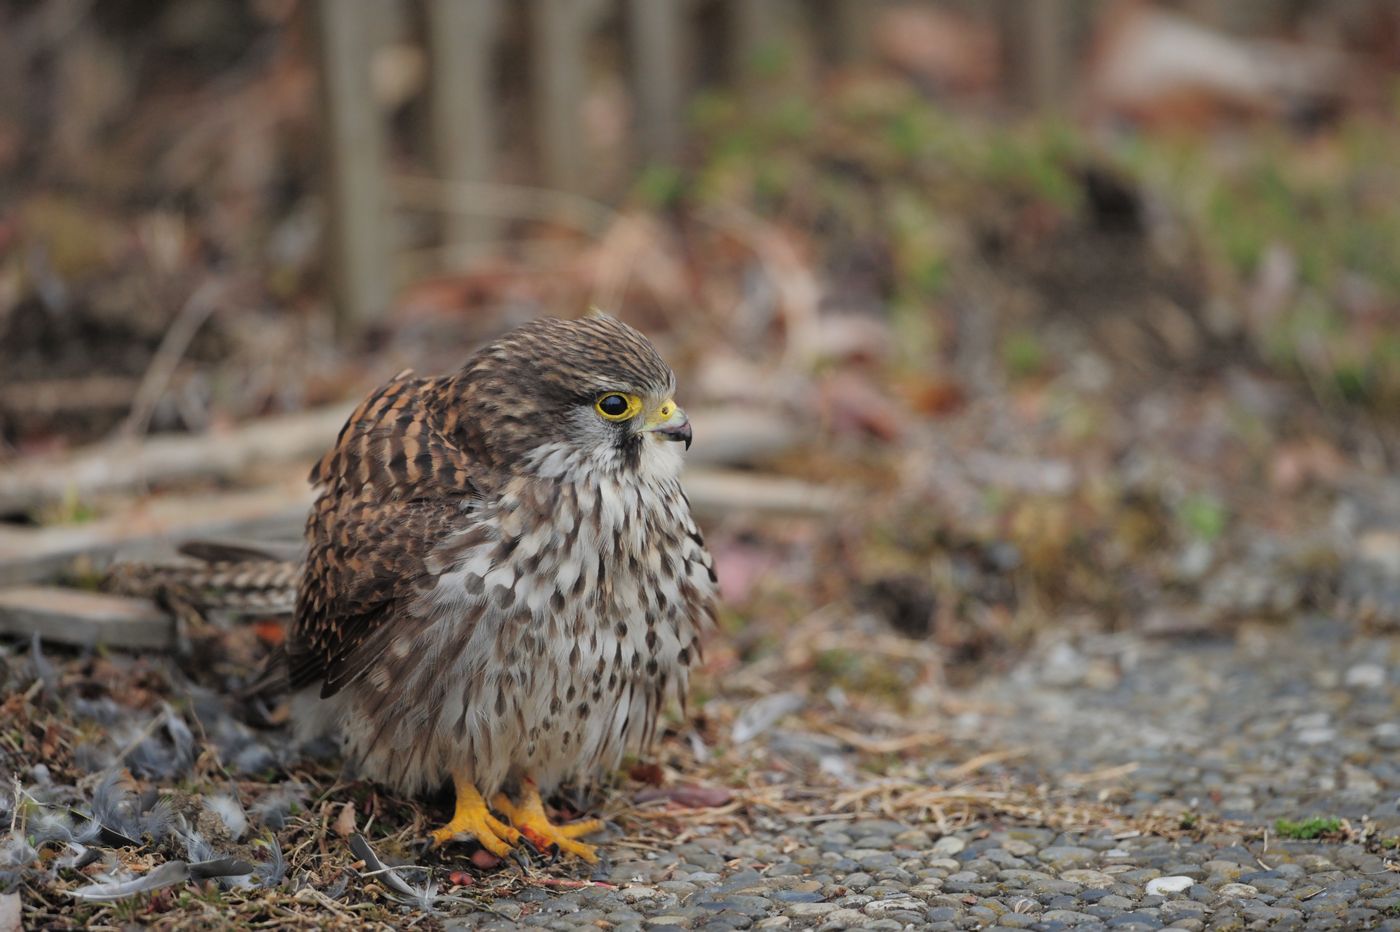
[(504, 582)]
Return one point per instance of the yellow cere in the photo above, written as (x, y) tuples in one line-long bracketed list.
[(618, 406)]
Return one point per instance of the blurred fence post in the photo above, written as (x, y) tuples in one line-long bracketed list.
[(559, 32), (845, 27), (461, 44), (353, 147), (657, 50), (757, 29), (1034, 45)]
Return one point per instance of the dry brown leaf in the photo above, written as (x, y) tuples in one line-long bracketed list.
[(345, 822), (648, 773), (689, 795)]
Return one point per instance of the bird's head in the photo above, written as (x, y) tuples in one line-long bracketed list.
[(566, 396)]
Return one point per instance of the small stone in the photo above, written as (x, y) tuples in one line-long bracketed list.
[(1312, 720), (1067, 855), (511, 911), (902, 903), (1068, 916), (873, 842), (809, 910), (1174, 908), (1134, 921), (948, 845), (1014, 921), (914, 838), (1365, 676), (844, 919), (1257, 912), (1165, 886), (1016, 875), (1315, 863), (1053, 885), (638, 894), (872, 860), (1088, 878), (927, 888), (773, 922), (680, 922), (754, 906), (1000, 858), (1228, 870), (1063, 666), (883, 925), (797, 896), (1241, 891)]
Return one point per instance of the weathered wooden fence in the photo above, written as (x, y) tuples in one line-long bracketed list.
[(669, 47), (498, 65)]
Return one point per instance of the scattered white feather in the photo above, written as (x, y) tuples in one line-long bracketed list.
[(758, 717), (230, 812)]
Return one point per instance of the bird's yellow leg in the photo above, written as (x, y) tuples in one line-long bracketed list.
[(473, 818), (528, 816)]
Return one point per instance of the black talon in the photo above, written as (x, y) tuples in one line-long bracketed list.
[(521, 859)]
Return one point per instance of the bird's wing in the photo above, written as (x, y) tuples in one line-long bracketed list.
[(393, 487)]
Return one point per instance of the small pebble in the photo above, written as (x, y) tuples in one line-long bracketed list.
[(1164, 886)]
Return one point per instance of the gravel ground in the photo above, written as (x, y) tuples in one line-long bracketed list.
[(1107, 781), (1231, 735)]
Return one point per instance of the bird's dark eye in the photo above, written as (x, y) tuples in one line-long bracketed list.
[(616, 406)]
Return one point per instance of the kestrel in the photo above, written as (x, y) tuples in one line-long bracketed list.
[(504, 583)]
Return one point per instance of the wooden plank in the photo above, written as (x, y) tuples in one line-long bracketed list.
[(151, 528), (657, 30), (354, 156), (728, 437), (724, 436), (461, 41), (126, 466), (84, 619), (720, 493)]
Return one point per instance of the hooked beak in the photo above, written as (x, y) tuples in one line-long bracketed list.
[(670, 423)]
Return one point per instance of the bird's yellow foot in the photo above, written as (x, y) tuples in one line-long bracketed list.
[(528, 816), (473, 818)]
